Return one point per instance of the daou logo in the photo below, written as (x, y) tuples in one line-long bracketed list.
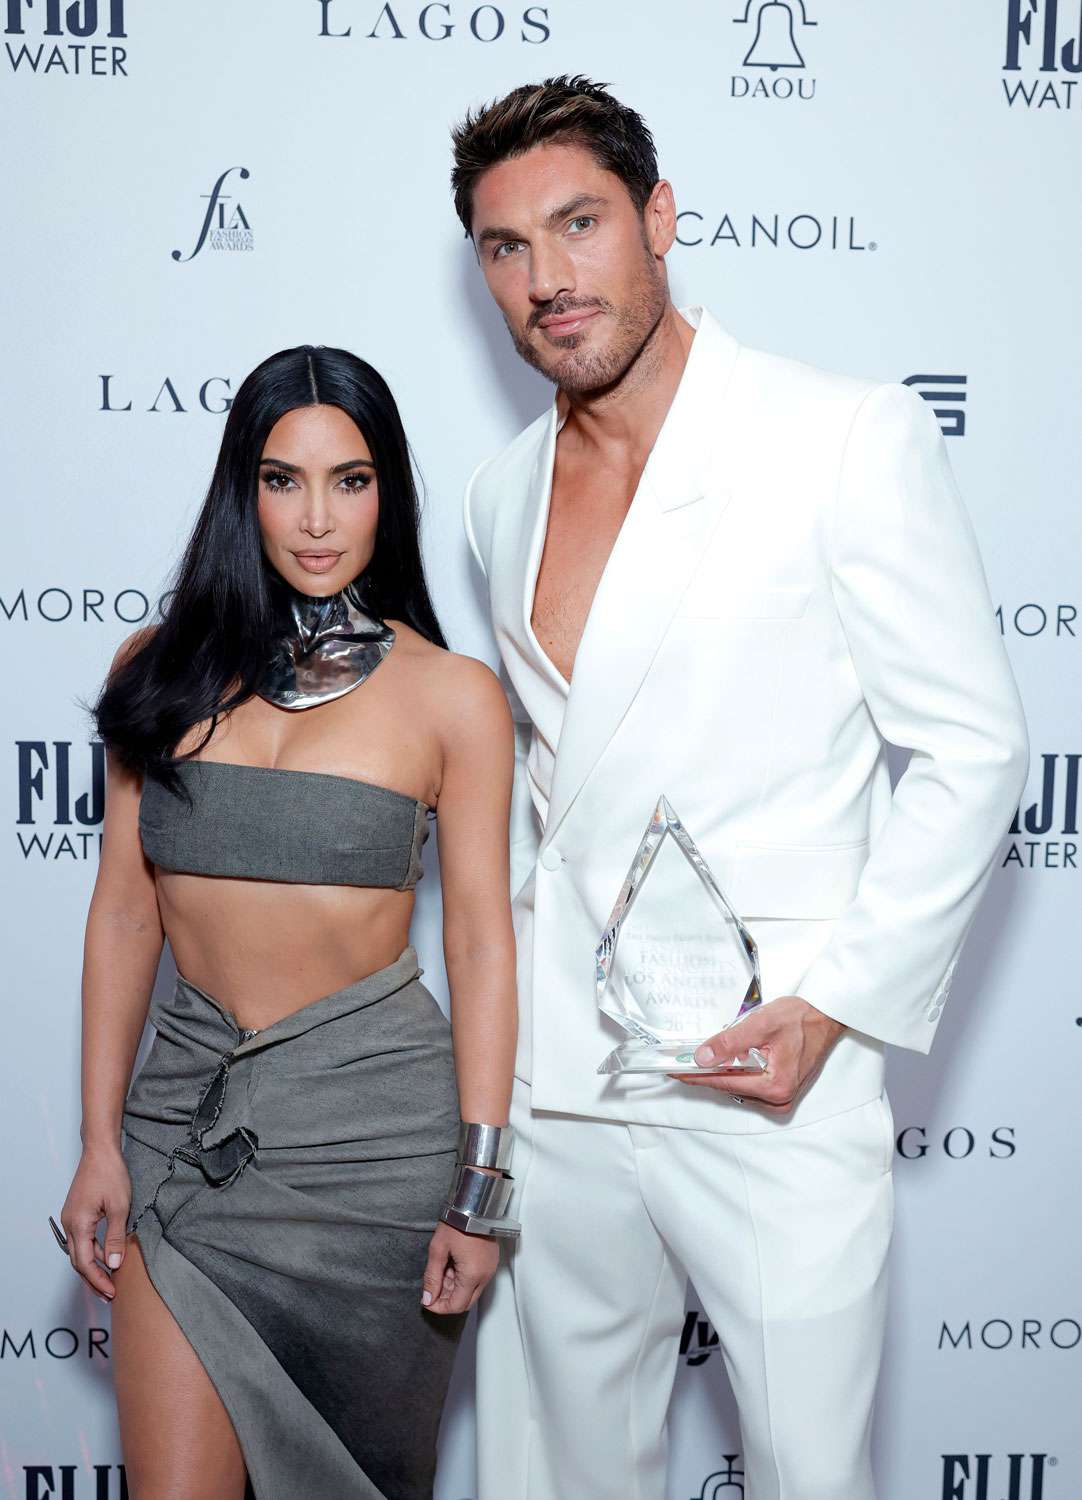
[(439, 22), (773, 27), (1039, 38), (723, 1484), (988, 1476), (51, 23)]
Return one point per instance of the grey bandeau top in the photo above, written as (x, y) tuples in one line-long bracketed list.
[(302, 827)]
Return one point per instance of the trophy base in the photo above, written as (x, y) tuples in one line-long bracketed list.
[(675, 1057)]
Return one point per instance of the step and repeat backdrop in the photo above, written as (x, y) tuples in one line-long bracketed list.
[(890, 190)]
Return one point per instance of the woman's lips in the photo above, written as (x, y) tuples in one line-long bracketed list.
[(317, 562)]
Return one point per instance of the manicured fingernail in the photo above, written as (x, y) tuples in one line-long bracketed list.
[(115, 1259), (704, 1055), (426, 1298)]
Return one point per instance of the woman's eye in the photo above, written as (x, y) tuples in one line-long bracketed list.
[(357, 482), (276, 480)]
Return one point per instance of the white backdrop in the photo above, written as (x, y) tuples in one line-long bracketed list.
[(897, 196)]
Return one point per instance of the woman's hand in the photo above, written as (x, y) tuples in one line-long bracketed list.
[(459, 1268), (101, 1188)]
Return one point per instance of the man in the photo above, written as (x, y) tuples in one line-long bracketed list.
[(729, 578)]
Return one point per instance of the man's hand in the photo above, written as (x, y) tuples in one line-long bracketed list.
[(794, 1038)]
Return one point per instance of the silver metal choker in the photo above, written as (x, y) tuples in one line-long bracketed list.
[(323, 650)]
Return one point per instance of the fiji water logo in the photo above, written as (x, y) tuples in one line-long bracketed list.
[(1042, 41), (61, 799), (65, 39), (225, 224), (988, 1476)]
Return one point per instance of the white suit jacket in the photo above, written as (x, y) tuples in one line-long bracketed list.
[(795, 584)]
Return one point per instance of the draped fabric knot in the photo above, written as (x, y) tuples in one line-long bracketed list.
[(220, 1147), (222, 1159)]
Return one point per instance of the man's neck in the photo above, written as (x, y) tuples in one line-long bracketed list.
[(622, 421)]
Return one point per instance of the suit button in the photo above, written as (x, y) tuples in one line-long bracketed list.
[(935, 1011), (551, 860)]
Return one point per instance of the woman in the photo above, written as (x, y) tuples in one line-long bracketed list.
[(306, 1221)]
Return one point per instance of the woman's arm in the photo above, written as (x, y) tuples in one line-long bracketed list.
[(120, 959), (478, 941)]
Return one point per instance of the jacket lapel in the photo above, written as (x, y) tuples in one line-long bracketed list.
[(680, 501)]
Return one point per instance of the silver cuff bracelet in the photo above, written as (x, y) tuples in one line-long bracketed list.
[(478, 1203), (485, 1146)]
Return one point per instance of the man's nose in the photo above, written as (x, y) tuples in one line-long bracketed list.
[(552, 272)]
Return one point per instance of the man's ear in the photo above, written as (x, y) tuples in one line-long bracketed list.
[(659, 218)]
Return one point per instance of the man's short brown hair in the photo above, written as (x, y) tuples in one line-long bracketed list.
[(567, 111)]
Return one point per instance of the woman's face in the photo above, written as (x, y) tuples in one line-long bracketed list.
[(318, 499)]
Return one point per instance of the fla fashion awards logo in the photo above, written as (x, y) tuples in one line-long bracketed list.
[(773, 66), (1042, 62), (225, 224), (65, 38)]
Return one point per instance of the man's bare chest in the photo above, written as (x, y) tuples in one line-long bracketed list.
[(581, 533)]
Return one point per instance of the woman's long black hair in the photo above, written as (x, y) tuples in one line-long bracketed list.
[(209, 652)]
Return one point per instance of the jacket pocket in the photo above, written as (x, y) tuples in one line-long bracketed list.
[(795, 880)]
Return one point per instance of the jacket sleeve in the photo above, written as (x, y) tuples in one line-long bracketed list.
[(524, 832), (914, 605)]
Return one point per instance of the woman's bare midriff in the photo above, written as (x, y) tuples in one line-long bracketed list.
[(263, 949)]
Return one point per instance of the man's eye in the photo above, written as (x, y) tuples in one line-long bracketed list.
[(584, 220), (508, 245)]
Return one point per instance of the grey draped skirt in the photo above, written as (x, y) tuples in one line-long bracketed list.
[(285, 1185)]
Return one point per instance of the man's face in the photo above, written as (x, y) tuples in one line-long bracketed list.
[(575, 268)]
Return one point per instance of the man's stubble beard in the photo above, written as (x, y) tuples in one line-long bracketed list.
[(593, 371)]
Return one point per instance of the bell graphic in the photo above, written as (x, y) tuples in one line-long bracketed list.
[(775, 40)]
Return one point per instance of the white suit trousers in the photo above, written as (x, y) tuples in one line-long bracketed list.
[(784, 1235)]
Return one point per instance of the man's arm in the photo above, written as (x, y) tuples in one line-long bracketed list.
[(913, 602)]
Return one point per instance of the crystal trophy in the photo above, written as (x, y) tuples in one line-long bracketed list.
[(675, 963)]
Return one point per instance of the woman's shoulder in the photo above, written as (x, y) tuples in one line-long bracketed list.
[(456, 683)]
